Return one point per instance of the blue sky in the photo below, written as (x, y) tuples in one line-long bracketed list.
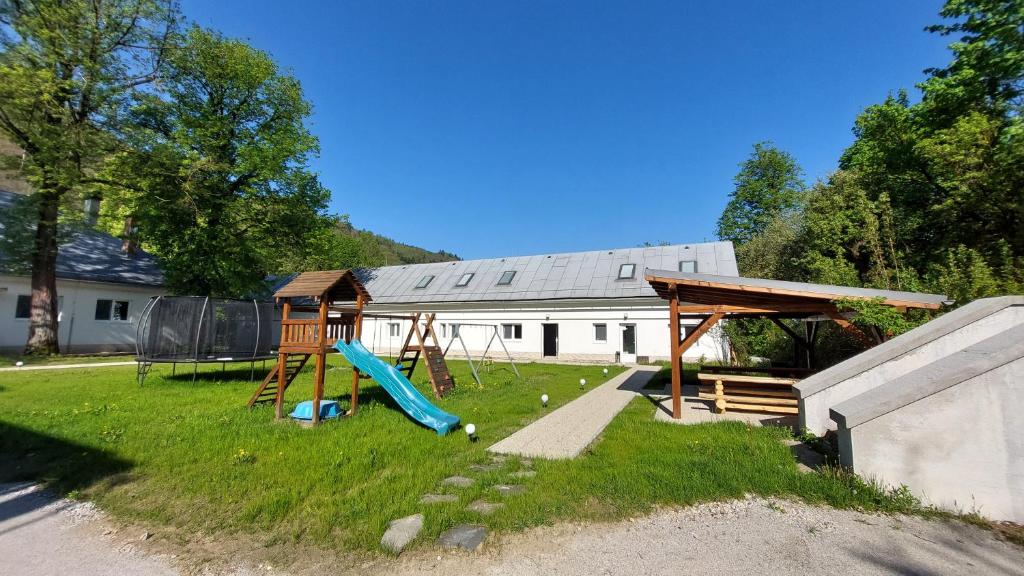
[(493, 128)]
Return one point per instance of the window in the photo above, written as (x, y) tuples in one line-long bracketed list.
[(112, 310), (394, 329), (627, 271), (23, 309), (455, 330), (600, 332), (506, 277), (424, 282), (512, 331), (687, 265), (464, 280), (444, 330)]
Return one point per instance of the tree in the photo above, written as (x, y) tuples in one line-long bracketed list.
[(768, 185), (68, 69), (218, 173)]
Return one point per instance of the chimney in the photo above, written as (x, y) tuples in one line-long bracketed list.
[(92, 210), (128, 244)]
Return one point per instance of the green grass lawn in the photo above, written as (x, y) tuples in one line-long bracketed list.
[(186, 455)]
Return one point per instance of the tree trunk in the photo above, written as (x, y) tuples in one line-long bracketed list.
[(42, 326)]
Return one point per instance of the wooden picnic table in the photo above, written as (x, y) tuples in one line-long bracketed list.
[(745, 392), (769, 370)]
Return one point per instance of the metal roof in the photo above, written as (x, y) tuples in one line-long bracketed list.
[(573, 275), (717, 286), (95, 256)]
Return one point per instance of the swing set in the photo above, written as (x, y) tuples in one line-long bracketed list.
[(421, 342)]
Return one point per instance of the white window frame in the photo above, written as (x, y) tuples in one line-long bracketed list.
[(455, 329), (465, 279), (632, 271), (503, 282), (394, 330), (512, 327), (424, 282), (598, 340), (682, 264)]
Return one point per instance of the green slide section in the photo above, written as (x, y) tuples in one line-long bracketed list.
[(399, 387)]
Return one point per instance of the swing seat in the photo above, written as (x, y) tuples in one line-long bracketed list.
[(328, 409)]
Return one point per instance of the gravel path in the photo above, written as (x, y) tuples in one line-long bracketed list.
[(40, 536), (566, 431), (753, 536)]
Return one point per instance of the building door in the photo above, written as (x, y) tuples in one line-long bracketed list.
[(550, 339), (628, 344)]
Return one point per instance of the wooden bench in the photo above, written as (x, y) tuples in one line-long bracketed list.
[(743, 392)]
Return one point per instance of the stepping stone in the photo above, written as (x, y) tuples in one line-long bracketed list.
[(484, 467), (438, 498), (465, 536), (524, 474), (402, 531), (460, 481), (484, 507), (510, 489), (498, 458), (526, 463)]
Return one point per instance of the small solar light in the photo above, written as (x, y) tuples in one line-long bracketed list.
[(544, 400), (605, 371), (583, 382), (19, 363), (471, 431)]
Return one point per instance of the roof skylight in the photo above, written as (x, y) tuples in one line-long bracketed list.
[(506, 277)]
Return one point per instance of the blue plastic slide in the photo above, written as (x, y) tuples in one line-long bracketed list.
[(407, 396)]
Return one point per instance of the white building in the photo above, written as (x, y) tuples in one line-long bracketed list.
[(580, 307), (102, 288)]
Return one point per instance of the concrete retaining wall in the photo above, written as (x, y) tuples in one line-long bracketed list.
[(951, 431), (925, 344)]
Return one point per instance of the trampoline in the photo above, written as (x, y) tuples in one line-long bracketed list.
[(198, 329)]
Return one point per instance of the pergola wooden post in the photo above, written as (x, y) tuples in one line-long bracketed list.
[(713, 298)]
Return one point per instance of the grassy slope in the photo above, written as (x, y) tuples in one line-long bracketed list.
[(192, 456)]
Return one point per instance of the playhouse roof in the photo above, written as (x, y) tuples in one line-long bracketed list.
[(335, 285)]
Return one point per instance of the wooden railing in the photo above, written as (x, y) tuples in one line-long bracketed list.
[(304, 332)]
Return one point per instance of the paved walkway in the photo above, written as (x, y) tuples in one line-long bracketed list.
[(565, 432), (65, 366)]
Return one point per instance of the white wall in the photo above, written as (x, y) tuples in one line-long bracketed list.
[(576, 342), (960, 449), (78, 330), (920, 347)]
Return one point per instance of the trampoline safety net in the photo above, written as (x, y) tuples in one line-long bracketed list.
[(200, 329)]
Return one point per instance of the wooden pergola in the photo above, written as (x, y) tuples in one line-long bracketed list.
[(712, 298)]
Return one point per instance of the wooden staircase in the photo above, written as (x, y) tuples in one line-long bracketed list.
[(267, 392)]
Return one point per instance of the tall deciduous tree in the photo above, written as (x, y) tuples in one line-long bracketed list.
[(218, 176), (68, 68), (768, 185)]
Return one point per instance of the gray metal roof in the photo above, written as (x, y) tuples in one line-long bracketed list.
[(95, 256), (824, 290), (571, 275)]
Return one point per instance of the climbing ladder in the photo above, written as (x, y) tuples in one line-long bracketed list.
[(267, 392), (409, 356)]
